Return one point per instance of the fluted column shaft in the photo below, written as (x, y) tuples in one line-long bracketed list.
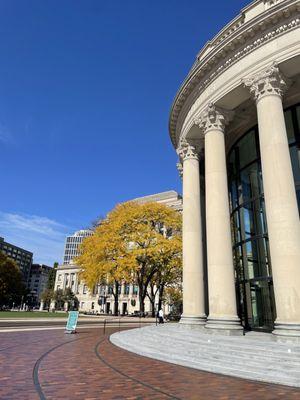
[(221, 285), (193, 284), (280, 199)]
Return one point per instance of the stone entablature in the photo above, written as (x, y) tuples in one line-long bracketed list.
[(257, 25)]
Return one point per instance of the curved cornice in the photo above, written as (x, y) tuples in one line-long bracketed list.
[(237, 39)]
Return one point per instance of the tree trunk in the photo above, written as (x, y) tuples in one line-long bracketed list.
[(116, 298), (151, 297), (160, 295), (142, 303)]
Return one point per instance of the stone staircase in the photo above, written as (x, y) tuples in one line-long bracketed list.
[(254, 356)]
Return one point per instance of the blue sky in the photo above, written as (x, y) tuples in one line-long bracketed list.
[(85, 92)]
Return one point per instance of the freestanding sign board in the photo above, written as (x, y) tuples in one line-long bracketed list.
[(72, 322)]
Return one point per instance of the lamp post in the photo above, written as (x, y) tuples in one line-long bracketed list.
[(102, 300)]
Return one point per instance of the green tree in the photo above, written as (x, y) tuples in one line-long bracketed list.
[(61, 297), (46, 297), (173, 296), (12, 287), (52, 276)]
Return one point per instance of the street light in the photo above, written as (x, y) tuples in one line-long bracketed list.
[(102, 299)]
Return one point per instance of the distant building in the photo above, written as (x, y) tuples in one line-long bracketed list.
[(67, 275), (72, 244), (38, 280), (22, 257), (170, 198)]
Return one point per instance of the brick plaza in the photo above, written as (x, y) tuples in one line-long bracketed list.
[(51, 365)]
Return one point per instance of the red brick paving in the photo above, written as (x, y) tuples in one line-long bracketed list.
[(87, 366)]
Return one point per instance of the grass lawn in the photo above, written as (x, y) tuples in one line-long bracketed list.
[(31, 314)]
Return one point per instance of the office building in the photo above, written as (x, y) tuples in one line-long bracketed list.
[(22, 257)]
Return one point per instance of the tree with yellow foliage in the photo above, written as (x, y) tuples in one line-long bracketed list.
[(168, 270), (132, 244), (101, 258)]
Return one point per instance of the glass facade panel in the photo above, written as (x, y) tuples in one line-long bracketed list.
[(249, 229), (254, 285), (247, 149), (289, 126), (295, 158)]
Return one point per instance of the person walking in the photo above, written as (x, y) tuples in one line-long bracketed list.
[(160, 316)]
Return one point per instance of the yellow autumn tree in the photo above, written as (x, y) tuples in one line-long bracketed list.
[(131, 245), (168, 271), (101, 258)]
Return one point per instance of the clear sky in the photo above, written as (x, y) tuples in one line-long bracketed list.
[(85, 92)]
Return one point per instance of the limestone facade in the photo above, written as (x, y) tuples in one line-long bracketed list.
[(235, 124)]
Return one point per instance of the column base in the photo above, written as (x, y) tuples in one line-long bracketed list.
[(225, 326), (193, 320), (288, 330)]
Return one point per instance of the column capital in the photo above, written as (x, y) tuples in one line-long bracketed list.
[(186, 151), (267, 82), (213, 118)]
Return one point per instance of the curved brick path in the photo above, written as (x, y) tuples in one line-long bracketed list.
[(51, 365)]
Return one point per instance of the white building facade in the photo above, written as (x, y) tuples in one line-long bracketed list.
[(72, 244), (67, 275), (235, 125)]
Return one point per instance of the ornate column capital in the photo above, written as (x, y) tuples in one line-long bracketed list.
[(186, 151), (213, 118), (180, 169), (267, 82)]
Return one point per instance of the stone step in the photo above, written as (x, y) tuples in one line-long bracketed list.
[(242, 344), (252, 358), (229, 368), (214, 346), (210, 356)]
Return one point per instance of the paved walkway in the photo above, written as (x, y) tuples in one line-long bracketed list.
[(51, 365)]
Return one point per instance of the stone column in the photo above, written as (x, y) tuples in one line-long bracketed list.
[(41, 306), (282, 213), (221, 284), (193, 285)]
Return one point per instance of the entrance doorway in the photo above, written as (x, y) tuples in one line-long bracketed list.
[(124, 309)]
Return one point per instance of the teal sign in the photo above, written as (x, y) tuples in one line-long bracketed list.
[(72, 321)]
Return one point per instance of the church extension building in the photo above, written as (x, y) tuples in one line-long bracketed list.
[(235, 123)]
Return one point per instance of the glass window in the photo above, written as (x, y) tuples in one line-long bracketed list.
[(247, 149), (289, 126), (295, 158), (110, 289), (135, 289), (127, 288), (250, 183), (233, 196), (236, 230)]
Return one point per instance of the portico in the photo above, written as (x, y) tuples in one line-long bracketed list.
[(242, 82)]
